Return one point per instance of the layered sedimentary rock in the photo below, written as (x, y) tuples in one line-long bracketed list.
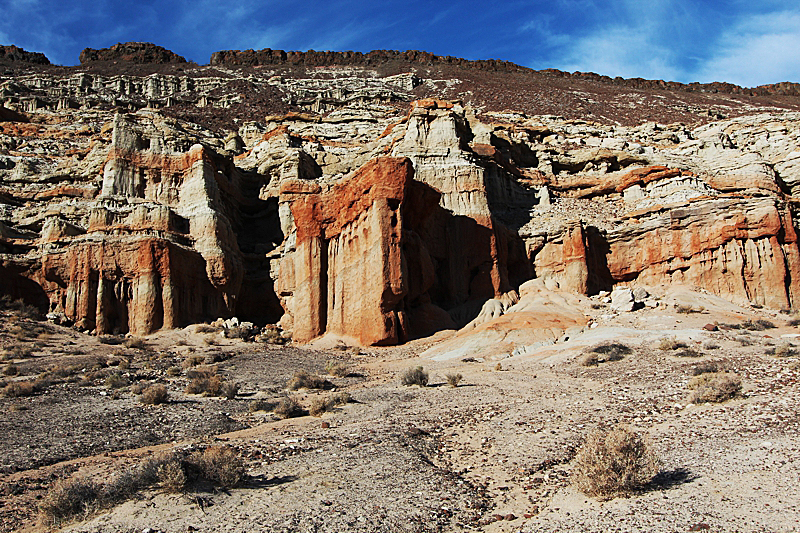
[(368, 217)]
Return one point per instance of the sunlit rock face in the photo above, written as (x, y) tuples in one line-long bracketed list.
[(364, 212)]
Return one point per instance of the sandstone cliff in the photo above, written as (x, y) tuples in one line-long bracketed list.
[(367, 215)]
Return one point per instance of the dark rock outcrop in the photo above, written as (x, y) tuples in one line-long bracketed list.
[(132, 52), (16, 54)]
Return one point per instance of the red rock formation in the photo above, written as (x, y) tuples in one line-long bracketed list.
[(347, 269)]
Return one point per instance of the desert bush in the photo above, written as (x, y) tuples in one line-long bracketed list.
[(67, 499), (135, 343), (240, 332), (171, 475), (415, 376), (260, 405), (124, 364), (714, 387), (453, 379), (209, 386), (613, 463), (757, 325), (687, 309), (670, 343), (304, 380), (116, 381), (794, 322), (743, 340), (320, 406), (229, 390), (217, 357), (18, 389), (220, 465), (784, 349), (341, 398), (208, 328), (174, 371), (272, 336), (687, 352), (602, 353), (194, 360), (139, 388), (154, 395), (335, 368), (288, 407), (710, 345), (704, 368), (10, 370), (110, 339)]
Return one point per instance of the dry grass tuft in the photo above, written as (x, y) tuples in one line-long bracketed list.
[(613, 463), (415, 376), (335, 368), (670, 343), (714, 387), (757, 325), (67, 499), (604, 353), (453, 379)]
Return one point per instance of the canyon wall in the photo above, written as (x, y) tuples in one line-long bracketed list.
[(377, 222)]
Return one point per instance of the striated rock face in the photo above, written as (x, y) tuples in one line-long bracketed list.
[(131, 52), (369, 215)]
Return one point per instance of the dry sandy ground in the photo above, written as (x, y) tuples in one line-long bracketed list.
[(492, 454)]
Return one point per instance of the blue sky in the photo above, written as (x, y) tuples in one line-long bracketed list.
[(740, 41)]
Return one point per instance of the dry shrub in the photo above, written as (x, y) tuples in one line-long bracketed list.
[(220, 465), (135, 343), (116, 381), (669, 343), (688, 352), (18, 389), (757, 325), (110, 339), (687, 309), (304, 380), (341, 398), (20, 351), (603, 353), (210, 386), (10, 370), (335, 368), (140, 387), (154, 395), (67, 499), (743, 340), (229, 390), (288, 407), (710, 345), (784, 349), (415, 376), (705, 368), (171, 475), (794, 322), (272, 336), (208, 328), (174, 371), (453, 379), (261, 405), (320, 406), (714, 387), (613, 463), (192, 361)]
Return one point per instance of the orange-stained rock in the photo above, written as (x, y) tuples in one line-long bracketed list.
[(347, 268)]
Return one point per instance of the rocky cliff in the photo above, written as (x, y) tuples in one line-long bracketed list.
[(367, 206)]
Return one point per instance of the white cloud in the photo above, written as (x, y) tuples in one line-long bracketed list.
[(626, 52), (760, 50)]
